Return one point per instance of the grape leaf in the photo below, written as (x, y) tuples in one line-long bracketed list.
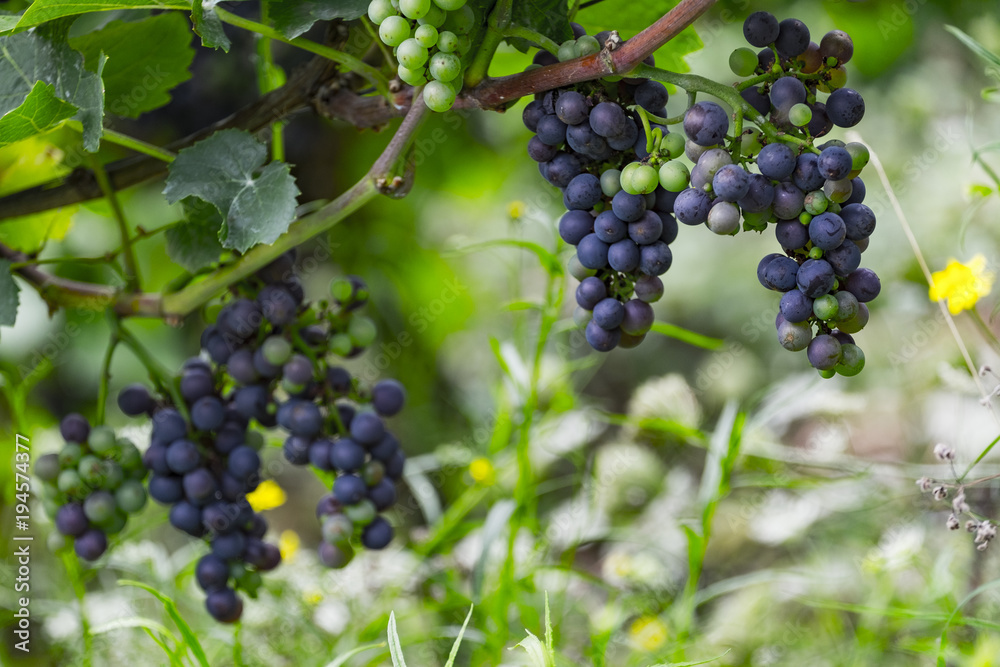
[(8, 295), (43, 11), (631, 18), (194, 244), (8, 21), (294, 17), (208, 25), (27, 58), (146, 59), (30, 233), (227, 170), (549, 17), (40, 111)]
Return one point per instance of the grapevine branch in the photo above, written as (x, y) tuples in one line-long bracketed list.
[(321, 85)]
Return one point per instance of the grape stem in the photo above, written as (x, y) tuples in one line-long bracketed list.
[(128, 253), (519, 31), (496, 25), (694, 83), (102, 390)]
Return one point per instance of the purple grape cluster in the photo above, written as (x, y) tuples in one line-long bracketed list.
[(91, 485), (583, 136)]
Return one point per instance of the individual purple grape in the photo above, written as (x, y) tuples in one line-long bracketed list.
[(165, 489), (183, 456), (601, 339), (608, 313), (786, 92), (793, 38), (627, 207), (824, 352), (388, 397), (582, 139), (539, 151), (224, 605), (583, 192), (827, 231), (691, 206), (863, 284), (91, 545), (609, 227), (592, 252), (758, 100), (574, 225), (836, 44), (349, 489), (791, 234), (624, 256), (648, 289), (383, 495), (572, 108), (608, 119), (551, 131), (761, 29), (134, 400), (779, 274), (638, 317), (651, 96), (844, 259), (377, 534), (74, 428), (655, 259), (347, 455), (815, 277), (859, 221), (562, 168), (731, 183), (806, 175), (795, 306), (706, 123), (71, 520), (834, 163), (589, 292), (776, 161), (845, 107), (199, 486), (212, 573), (788, 201), (646, 229), (187, 518), (820, 123)]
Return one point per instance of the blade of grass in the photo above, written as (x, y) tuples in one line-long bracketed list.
[(458, 640), (190, 638), (685, 336), (692, 664), (395, 650), (342, 659)]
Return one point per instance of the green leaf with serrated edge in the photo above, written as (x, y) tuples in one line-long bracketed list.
[(43, 11), (257, 202), (30, 233), (27, 58), (294, 17), (395, 650), (146, 59), (8, 295), (208, 25), (549, 17), (194, 244), (40, 112)]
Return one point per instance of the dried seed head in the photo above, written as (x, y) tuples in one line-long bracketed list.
[(925, 483), (940, 493), (943, 452), (959, 504), (953, 523), (971, 525)]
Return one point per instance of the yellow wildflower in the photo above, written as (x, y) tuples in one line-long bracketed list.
[(648, 633), (288, 543), (267, 496), (482, 471), (962, 284), (515, 209), (312, 597)]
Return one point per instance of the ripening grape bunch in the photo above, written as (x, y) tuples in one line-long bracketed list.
[(91, 485), (281, 356), (626, 183), (583, 137), (428, 39)]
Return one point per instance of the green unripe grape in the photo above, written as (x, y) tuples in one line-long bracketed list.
[(380, 10), (439, 96), (292, 388), (337, 530), (852, 360), (805, 217), (130, 496), (825, 307), (464, 44), (340, 344), (847, 306), (113, 475), (611, 182), (414, 9), (674, 176), (827, 374), (276, 350), (373, 472), (625, 178), (414, 77), (426, 35), (102, 440), (800, 115), (838, 191), (568, 50), (237, 569), (362, 513), (435, 17), (750, 143), (859, 155), (394, 30), (250, 582), (743, 62), (460, 21), (70, 455), (724, 219), (339, 556), (816, 202), (362, 330), (445, 66), (578, 270), (582, 317), (70, 483), (129, 455), (47, 467), (673, 145), (757, 221), (815, 253), (447, 41), (645, 179), (838, 78), (113, 524), (588, 45), (411, 55), (341, 290), (91, 470), (834, 207), (99, 506), (450, 5), (254, 439)]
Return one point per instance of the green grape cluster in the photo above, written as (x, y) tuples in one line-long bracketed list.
[(91, 485), (428, 38)]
